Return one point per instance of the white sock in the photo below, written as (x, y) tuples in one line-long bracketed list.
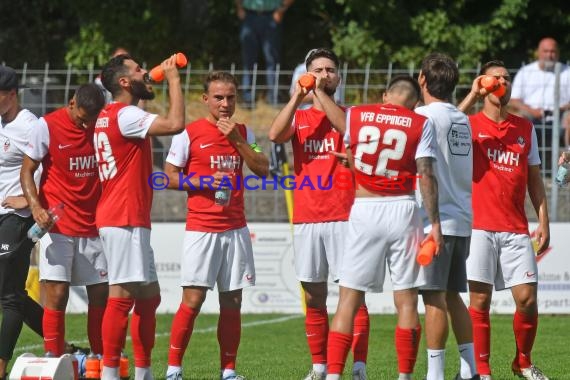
[(172, 369), (405, 376), (227, 372), (467, 360), (110, 373), (357, 365), (436, 364), (319, 367), (334, 376), (143, 373)]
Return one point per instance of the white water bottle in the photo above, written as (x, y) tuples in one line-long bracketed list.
[(223, 195), (562, 175), (35, 232)]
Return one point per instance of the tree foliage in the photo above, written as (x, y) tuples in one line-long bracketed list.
[(361, 31)]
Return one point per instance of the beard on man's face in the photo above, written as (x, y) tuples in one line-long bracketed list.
[(330, 91), (139, 90)]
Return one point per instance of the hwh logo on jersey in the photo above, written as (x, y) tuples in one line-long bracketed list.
[(319, 146), (82, 163), (502, 157), (215, 161)]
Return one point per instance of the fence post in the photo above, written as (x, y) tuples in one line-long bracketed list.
[(44, 88), (555, 142), (24, 74), (366, 80)]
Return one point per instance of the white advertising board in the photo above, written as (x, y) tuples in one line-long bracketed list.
[(277, 290)]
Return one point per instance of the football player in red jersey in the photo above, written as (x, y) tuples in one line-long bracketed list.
[(71, 253), (320, 214), (217, 243), (124, 156), (384, 227), (505, 164)]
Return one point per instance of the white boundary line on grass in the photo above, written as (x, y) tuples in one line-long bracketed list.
[(196, 331)]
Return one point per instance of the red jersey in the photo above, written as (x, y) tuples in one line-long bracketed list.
[(202, 149), (385, 142), (69, 174), (500, 173), (317, 172), (125, 165)]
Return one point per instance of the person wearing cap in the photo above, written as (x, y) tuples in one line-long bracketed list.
[(261, 28), (71, 253), (15, 219)]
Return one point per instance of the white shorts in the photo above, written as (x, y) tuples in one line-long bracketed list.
[(386, 230), (505, 259), (77, 260), (318, 250), (222, 258), (129, 255)]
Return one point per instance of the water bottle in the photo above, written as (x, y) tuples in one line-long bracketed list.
[(35, 232), (562, 175), (223, 194), (81, 359)]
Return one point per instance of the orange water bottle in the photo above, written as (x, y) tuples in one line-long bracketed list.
[(307, 81), (427, 251), (157, 73), (92, 367), (124, 367)]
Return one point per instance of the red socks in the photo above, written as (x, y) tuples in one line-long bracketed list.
[(407, 343), (361, 332), (94, 326), (317, 331), (115, 322), (337, 350), (229, 334), (481, 339), (180, 333), (143, 329), (524, 327), (53, 324)]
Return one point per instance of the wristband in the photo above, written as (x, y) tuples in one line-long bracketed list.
[(256, 148)]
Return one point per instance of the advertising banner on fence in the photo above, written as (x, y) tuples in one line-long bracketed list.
[(278, 291)]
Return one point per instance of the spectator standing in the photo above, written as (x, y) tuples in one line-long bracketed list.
[(319, 228), (124, 157), (505, 165), (533, 96), (16, 125), (217, 243), (261, 28)]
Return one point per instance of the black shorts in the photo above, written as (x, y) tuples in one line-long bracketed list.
[(447, 270), (13, 235)]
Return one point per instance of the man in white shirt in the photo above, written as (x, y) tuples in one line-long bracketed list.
[(532, 95)]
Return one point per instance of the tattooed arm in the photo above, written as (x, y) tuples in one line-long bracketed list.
[(428, 189)]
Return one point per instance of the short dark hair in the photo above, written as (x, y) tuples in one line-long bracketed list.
[(222, 76), (112, 71), (493, 63), (90, 98), (441, 74), (405, 83), (320, 53)]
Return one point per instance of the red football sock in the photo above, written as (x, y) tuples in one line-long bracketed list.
[(407, 343), (143, 329), (481, 339), (115, 323), (53, 324), (360, 335), (229, 334), (524, 327), (317, 331), (94, 327), (337, 350), (180, 333)]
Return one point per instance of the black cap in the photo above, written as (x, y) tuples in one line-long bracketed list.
[(8, 79)]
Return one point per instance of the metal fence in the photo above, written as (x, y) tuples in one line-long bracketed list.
[(49, 88)]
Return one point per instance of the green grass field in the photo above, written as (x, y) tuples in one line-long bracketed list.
[(273, 347)]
